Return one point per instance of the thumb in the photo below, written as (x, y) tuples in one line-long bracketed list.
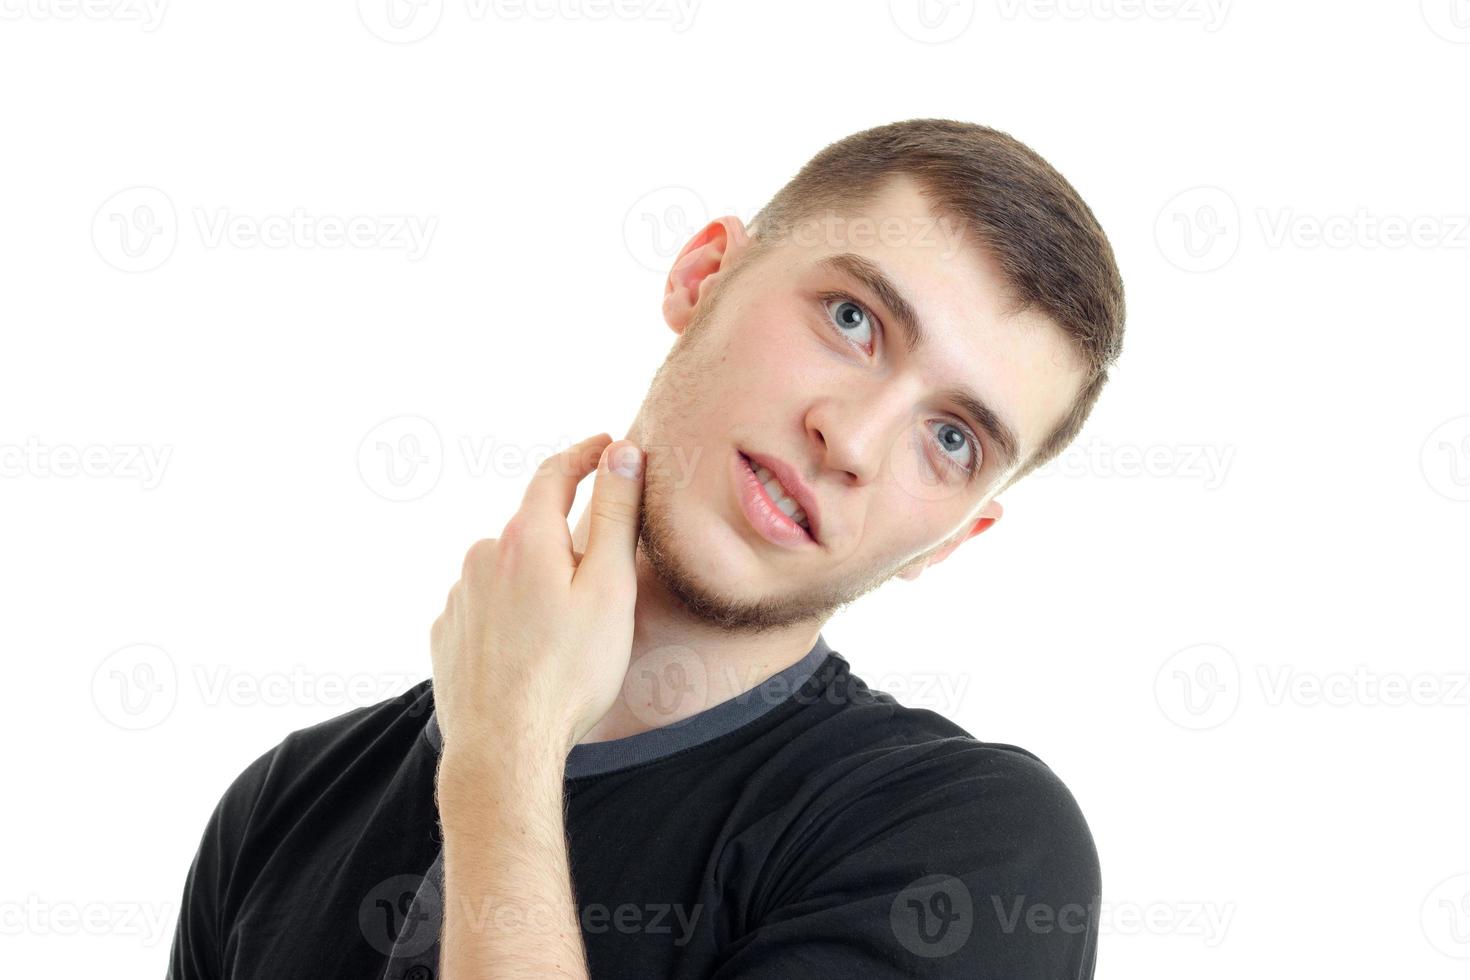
[(617, 504)]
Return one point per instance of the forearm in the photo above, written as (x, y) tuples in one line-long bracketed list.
[(509, 910)]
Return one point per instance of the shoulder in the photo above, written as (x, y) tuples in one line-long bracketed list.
[(297, 765), (263, 799), (911, 843), (931, 787), (884, 744)]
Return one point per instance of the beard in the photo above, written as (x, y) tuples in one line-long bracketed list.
[(676, 388), (676, 570)]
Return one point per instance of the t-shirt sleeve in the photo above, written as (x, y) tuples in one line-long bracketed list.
[(197, 952), (955, 859)]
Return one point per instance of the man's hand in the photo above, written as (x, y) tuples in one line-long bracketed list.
[(534, 641), (529, 654)]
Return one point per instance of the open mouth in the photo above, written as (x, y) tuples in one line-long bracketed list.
[(778, 504)]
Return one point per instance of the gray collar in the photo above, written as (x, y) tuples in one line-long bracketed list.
[(596, 758)]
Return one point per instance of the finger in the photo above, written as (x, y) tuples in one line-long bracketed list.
[(617, 502), (554, 484)]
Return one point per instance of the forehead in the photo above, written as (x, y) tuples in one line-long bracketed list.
[(1020, 364)]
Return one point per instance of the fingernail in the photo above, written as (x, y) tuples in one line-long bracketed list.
[(627, 461)]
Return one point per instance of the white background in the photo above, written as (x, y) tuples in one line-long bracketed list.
[(1197, 620)]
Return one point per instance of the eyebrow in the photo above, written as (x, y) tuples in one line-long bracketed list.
[(871, 275)]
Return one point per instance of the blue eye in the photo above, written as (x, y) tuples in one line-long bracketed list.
[(957, 439), (851, 320)]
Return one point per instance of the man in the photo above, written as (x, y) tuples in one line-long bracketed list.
[(638, 757)]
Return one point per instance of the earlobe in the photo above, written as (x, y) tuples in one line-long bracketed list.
[(989, 514), (703, 257), (987, 517)]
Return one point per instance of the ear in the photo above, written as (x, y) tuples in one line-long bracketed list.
[(713, 249), (987, 517)]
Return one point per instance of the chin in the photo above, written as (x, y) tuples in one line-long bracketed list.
[(718, 552), (704, 546)]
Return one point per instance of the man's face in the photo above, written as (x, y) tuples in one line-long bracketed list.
[(803, 362)]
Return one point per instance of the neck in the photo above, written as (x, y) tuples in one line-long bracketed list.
[(706, 665)]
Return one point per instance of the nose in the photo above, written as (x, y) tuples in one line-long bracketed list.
[(852, 432)]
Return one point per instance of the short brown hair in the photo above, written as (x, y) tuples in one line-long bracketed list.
[(1048, 244)]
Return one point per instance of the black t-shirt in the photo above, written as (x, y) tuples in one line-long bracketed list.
[(810, 828)]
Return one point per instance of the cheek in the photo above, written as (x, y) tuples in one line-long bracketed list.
[(896, 529), (783, 355), (919, 483)]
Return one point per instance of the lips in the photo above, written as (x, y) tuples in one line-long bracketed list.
[(795, 488)]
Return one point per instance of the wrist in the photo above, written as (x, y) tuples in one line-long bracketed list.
[(473, 778)]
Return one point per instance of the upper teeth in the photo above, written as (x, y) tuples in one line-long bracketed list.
[(778, 493)]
